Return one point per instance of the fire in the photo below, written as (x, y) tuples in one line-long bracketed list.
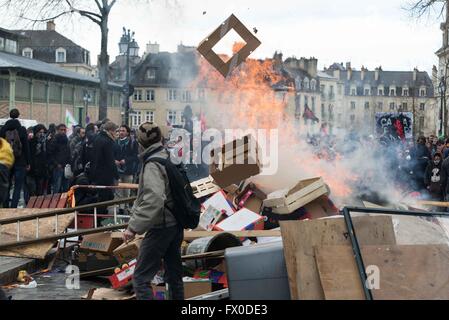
[(246, 100), (237, 47)]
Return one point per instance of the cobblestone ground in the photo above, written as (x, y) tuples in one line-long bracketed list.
[(52, 286)]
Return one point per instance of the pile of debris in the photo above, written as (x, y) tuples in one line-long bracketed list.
[(235, 213)]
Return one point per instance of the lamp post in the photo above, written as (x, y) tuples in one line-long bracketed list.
[(128, 47), (87, 98), (442, 90)]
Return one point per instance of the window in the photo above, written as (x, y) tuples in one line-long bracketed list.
[(201, 94), (392, 106), (422, 106), (353, 91), (313, 84), (404, 106), (421, 123), (150, 95), (149, 116), (136, 119), (306, 83), (186, 96), (405, 92), (380, 92), (331, 93), (323, 89), (352, 105), (367, 92), (313, 104), (352, 118), (11, 46), (422, 92), (392, 92), (138, 95), (171, 117), (27, 52), (380, 106), (366, 105), (306, 100), (323, 111), (339, 88), (60, 55), (2, 43), (172, 95), (151, 74)]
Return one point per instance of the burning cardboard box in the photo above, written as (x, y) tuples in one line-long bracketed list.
[(235, 161), (207, 45), (287, 201), (251, 197)]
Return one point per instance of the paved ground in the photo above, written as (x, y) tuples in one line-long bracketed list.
[(52, 286)]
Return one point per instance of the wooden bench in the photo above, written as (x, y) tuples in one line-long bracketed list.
[(51, 201)]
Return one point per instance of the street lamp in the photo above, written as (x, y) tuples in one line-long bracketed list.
[(87, 98), (442, 91), (129, 47)]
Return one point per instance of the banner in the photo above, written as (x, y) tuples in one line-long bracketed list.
[(394, 126), (70, 122)]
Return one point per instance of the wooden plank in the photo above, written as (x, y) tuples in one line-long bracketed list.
[(192, 235), (31, 202), (433, 203), (28, 231), (62, 203), (54, 201), (407, 272), (46, 203), (38, 203), (300, 237)]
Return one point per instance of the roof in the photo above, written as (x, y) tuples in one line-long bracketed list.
[(12, 61), (185, 64), (44, 38), (324, 75)]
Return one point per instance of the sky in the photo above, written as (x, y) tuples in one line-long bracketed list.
[(371, 33)]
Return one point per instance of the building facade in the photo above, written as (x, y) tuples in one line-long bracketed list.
[(44, 92), (357, 95), (52, 47)]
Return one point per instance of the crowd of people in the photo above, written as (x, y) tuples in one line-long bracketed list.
[(40, 161)]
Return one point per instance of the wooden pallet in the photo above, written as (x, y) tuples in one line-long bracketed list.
[(204, 187), (51, 201)]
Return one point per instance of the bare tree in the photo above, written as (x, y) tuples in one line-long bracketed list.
[(96, 11), (421, 8)]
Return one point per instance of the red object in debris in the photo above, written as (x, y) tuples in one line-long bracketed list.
[(122, 278), (244, 199)]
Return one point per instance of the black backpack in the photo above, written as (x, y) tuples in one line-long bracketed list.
[(13, 137), (187, 207)]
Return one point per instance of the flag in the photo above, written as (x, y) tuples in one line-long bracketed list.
[(309, 115), (70, 122)]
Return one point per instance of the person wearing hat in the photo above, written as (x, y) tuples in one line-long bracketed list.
[(152, 215), (38, 175)]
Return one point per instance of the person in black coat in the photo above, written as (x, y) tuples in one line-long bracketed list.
[(22, 158), (39, 166), (420, 157), (126, 158), (432, 178), (103, 171), (59, 158)]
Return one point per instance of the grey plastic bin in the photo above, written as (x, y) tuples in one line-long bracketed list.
[(257, 272)]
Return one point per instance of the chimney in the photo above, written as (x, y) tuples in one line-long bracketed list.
[(377, 73), (415, 74), (337, 74), (312, 66), (348, 65), (362, 73), (152, 48), (349, 72), (51, 26)]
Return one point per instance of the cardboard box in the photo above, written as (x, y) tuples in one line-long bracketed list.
[(219, 202), (235, 162), (209, 218), (102, 242), (287, 201), (128, 251), (192, 288), (243, 219), (91, 261), (121, 279), (250, 198)]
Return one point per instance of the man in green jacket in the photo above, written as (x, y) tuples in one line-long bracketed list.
[(152, 214)]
